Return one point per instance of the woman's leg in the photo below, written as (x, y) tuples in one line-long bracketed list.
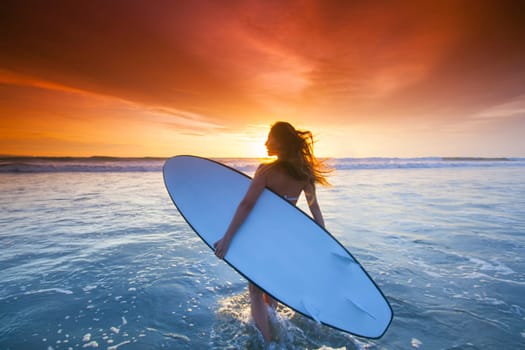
[(270, 301), (260, 312)]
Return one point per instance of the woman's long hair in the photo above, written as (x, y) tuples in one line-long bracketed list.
[(296, 154)]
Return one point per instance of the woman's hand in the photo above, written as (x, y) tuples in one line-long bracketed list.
[(221, 247)]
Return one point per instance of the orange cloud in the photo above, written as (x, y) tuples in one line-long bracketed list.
[(202, 67)]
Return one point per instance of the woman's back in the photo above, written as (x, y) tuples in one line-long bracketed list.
[(278, 180)]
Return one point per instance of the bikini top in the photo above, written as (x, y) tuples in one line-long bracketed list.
[(290, 199)]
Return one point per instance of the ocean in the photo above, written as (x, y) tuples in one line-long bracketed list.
[(95, 255)]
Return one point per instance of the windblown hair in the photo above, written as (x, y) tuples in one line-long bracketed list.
[(297, 154)]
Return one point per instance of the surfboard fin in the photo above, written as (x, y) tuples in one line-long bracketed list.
[(344, 257), (360, 308), (311, 310)]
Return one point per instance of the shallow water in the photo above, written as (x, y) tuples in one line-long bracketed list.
[(103, 259)]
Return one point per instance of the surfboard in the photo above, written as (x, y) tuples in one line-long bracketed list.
[(279, 248)]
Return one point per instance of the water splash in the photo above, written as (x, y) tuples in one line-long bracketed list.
[(235, 328)]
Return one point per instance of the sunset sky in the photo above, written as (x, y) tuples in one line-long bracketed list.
[(160, 78)]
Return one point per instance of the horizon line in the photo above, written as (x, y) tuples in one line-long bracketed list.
[(95, 157)]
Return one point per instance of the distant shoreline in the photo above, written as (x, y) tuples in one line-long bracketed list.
[(66, 158), (477, 159), (109, 158)]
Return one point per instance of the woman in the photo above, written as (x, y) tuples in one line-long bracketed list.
[(296, 170)]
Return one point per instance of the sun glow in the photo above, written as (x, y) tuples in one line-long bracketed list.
[(256, 147)]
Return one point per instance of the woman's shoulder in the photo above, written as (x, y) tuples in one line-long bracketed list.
[(263, 168), (268, 164)]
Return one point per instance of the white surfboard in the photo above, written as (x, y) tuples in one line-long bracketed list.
[(279, 248)]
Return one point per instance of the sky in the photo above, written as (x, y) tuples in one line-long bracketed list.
[(160, 78)]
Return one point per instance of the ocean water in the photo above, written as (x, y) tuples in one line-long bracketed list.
[(95, 255)]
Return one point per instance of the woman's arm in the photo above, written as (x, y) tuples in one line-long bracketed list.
[(313, 204), (243, 209)]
